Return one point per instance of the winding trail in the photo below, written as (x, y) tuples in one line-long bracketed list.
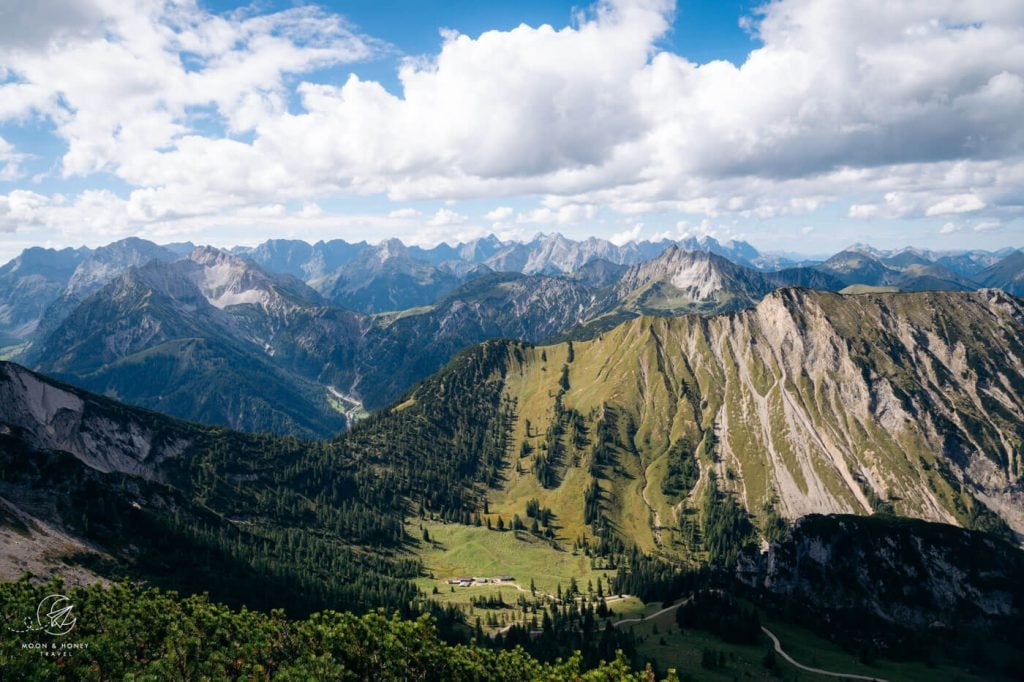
[(819, 671), (627, 621), (771, 636)]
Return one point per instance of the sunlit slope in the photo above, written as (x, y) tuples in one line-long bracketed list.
[(809, 403)]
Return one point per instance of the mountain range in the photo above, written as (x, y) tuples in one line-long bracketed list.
[(808, 403), (212, 336), (819, 439)]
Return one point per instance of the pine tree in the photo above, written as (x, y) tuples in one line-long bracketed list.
[(563, 380)]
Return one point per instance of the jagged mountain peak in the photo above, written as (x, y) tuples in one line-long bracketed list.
[(699, 275), (209, 255), (865, 249), (477, 250), (391, 249), (227, 279), (106, 262)]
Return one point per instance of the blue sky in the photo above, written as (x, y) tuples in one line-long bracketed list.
[(701, 31), (799, 125)]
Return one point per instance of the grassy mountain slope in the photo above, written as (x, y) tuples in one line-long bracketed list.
[(809, 403)]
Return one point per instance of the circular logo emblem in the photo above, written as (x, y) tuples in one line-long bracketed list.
[(54, 615)]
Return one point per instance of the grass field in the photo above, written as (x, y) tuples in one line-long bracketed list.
[(457, 550)]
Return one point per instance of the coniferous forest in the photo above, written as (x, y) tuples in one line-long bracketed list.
[(135, 633)]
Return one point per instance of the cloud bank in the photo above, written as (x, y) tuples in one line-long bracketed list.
[(890, 109)]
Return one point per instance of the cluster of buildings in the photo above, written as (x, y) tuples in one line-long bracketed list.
[(469, 582)]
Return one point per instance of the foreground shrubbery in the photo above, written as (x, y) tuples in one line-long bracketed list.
[(141, 634)]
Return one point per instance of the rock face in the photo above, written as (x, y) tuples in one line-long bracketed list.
[(681, 281), (227, 280), (48, 416), (913, 574), (812, 403)]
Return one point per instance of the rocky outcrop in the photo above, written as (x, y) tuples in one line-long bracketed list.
[(909, 573), (50, 416), (682, 281)]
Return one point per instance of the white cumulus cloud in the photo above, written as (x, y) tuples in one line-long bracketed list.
[(500, 213), (626, 236), (892, 110), (405, 213), (445, 217), (958, 203), (10, 161)]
